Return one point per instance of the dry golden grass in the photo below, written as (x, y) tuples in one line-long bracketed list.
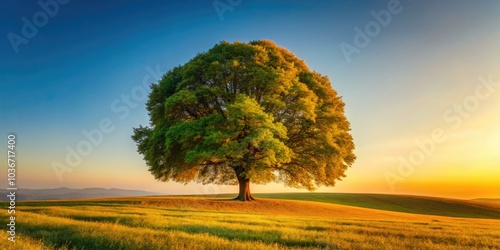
[(277, 207), (208, 223)]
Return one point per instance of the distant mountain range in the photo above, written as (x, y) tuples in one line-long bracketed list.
[(70, 193)]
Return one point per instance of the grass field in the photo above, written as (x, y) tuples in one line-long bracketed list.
[(488, 200), (218, 223), (481, 208)]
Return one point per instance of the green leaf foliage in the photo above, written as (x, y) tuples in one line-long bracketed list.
[(249, 106)]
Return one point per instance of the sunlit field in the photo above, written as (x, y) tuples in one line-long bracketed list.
[(219, 223)]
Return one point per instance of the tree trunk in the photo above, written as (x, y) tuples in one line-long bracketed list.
[(244, 183), (244, 194)]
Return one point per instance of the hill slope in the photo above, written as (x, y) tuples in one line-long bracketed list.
[(401, 203), (487, 200), (215, 223)]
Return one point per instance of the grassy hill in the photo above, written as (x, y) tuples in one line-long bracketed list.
[(218, 223), (488, 200), (401, 203)]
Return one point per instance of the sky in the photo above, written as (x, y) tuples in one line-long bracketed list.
[(420, 79)]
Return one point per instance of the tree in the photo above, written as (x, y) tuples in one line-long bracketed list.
[(246, 112)]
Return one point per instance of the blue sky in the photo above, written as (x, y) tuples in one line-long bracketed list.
[(89, 54)]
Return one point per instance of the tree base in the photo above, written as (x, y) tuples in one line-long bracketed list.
[(244, 194), (244, 198)]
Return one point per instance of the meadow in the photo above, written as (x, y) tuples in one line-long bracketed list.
[(193, 222)]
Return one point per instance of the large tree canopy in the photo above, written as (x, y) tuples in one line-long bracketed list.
[(246, 112)]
